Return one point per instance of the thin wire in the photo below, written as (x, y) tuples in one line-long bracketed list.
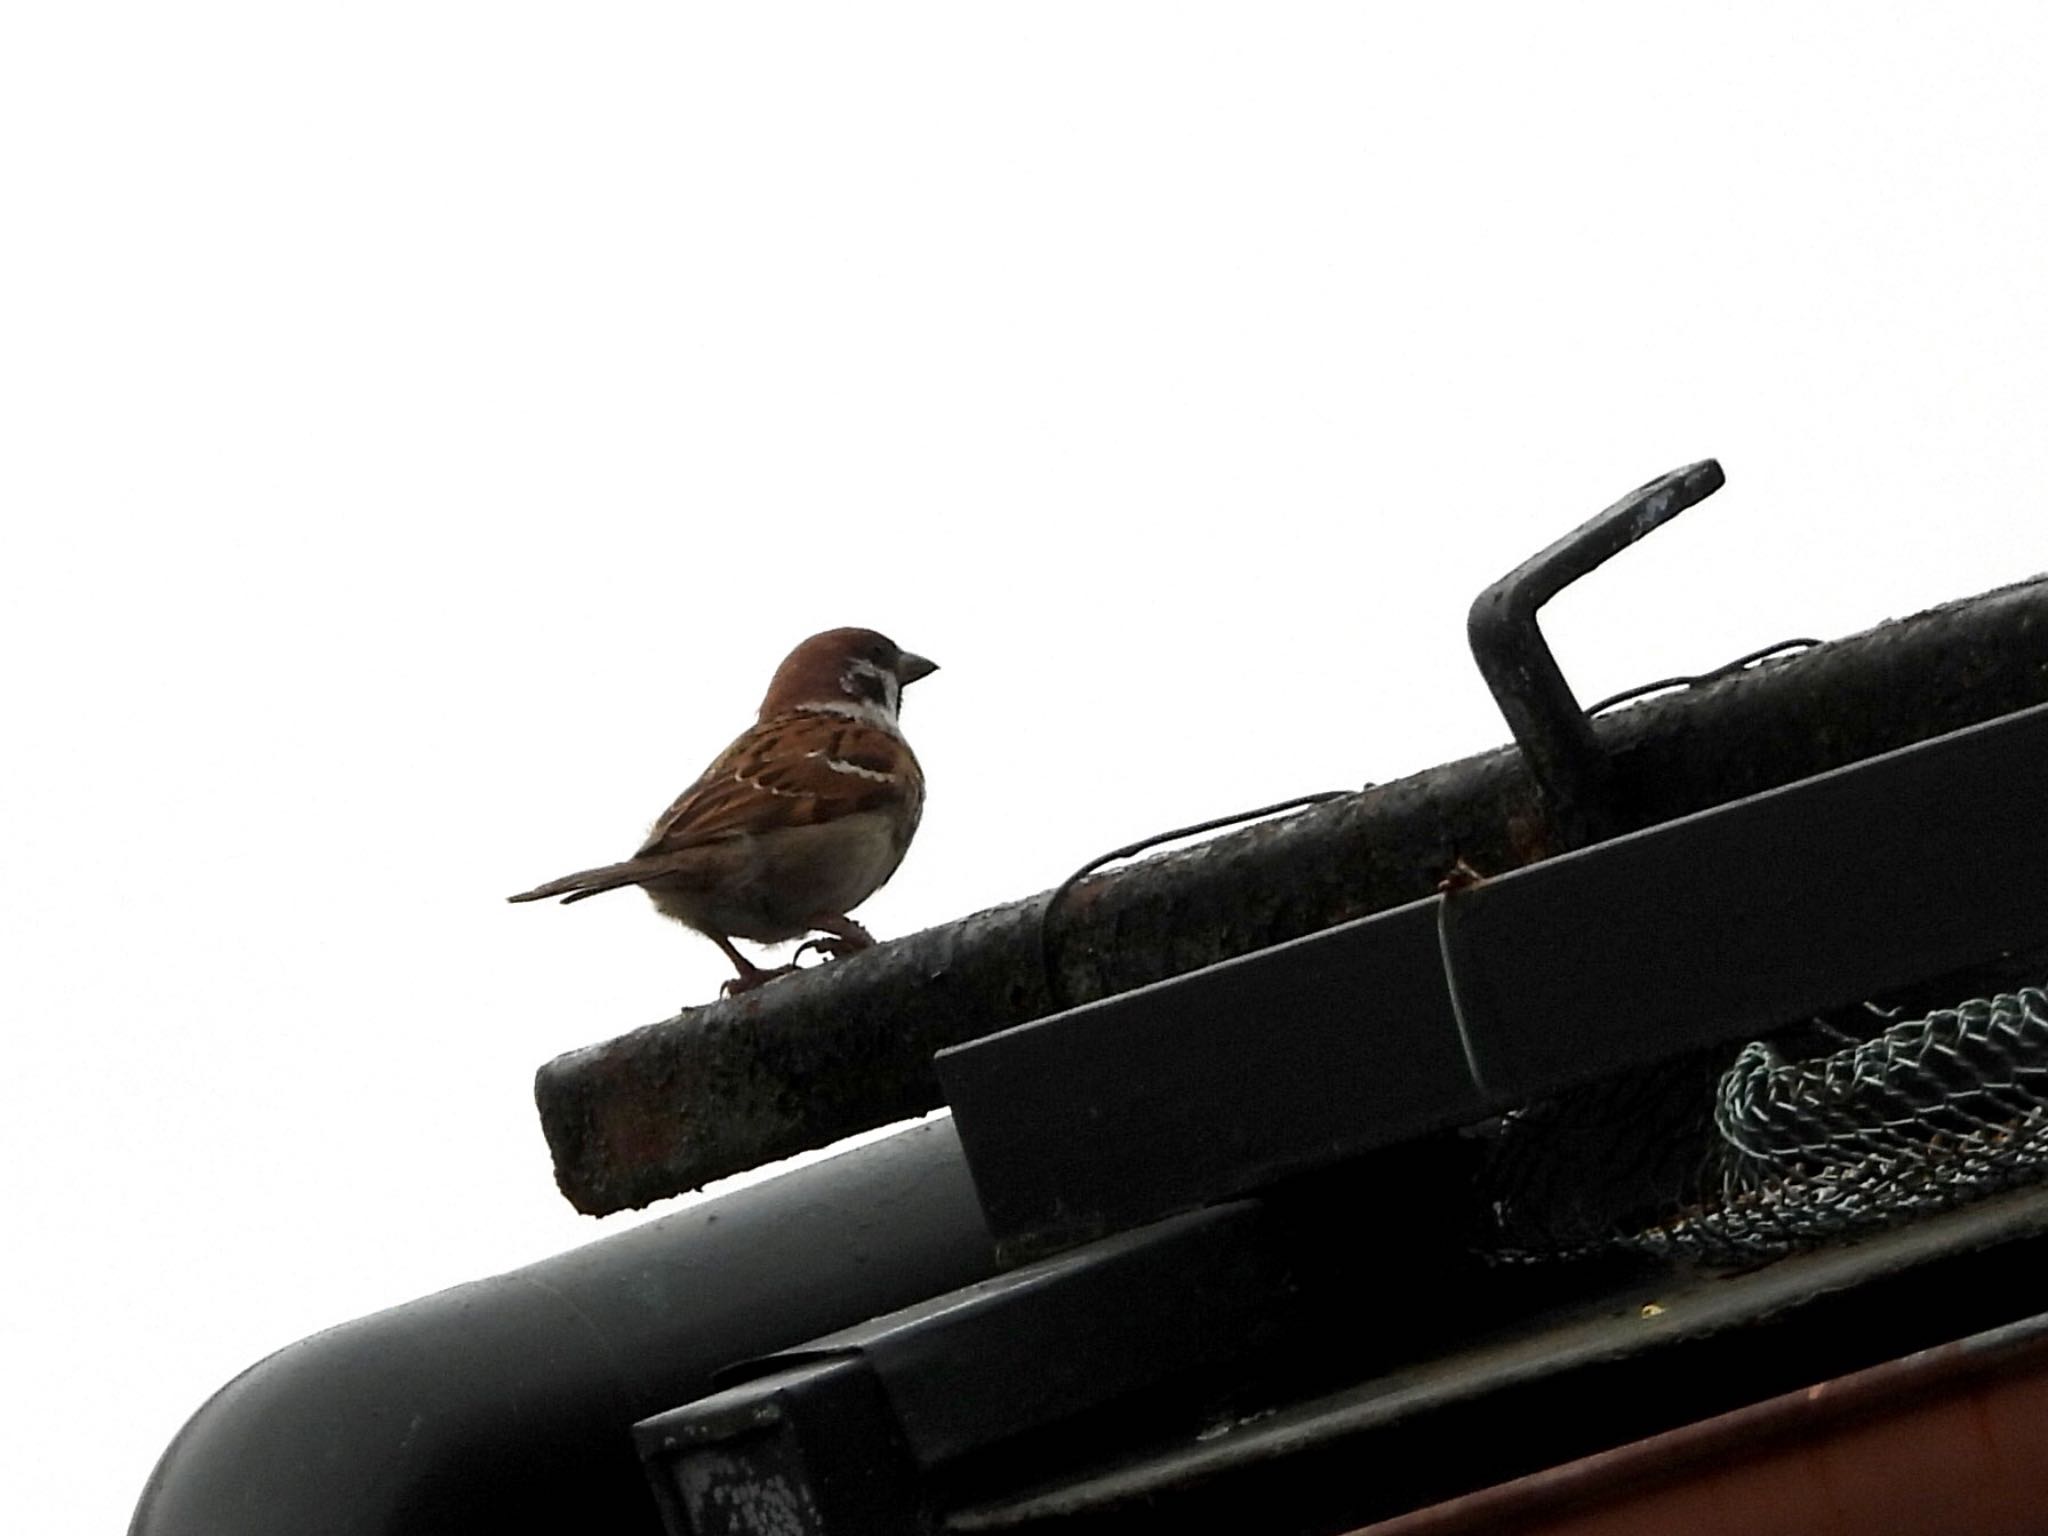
[(1142, 845), (1299, 802), (1737, 665)]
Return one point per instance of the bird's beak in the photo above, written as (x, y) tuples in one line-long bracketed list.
[(909, 668)]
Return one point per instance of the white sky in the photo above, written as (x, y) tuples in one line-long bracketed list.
[(423, 427)]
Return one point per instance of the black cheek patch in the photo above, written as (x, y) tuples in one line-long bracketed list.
[(868, 686)]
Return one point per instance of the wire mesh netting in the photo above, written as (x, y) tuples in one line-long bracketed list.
[(1787, 1146)]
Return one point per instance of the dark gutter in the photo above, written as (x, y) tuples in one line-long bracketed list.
[(849, 1046), (503, 1405)]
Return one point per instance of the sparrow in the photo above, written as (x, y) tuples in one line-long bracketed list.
[(799, 821)]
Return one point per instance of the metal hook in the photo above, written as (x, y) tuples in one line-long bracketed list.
[(1556, 736)]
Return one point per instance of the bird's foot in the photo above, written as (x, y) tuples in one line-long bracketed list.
[(828, 949), (843, 937), (753, 976)]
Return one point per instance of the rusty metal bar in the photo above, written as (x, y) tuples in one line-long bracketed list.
[(1952, 1438), (849, 1046)]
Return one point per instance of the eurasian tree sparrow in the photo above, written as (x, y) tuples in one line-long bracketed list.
[(796, 823)]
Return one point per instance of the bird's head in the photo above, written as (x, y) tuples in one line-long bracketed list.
[(852, 672)]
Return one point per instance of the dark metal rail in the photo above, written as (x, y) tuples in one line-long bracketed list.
[(922, 1421)]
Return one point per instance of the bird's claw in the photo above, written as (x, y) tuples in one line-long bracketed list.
[(832, 947), (756, 976), (841, 938)]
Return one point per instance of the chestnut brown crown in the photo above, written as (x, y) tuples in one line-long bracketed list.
[(853, 672)]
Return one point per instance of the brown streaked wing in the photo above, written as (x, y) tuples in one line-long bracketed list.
[(779, 775)]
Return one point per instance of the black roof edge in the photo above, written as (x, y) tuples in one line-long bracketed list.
[(502, 1404)]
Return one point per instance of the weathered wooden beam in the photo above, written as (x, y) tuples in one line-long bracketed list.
[(848, 1046)]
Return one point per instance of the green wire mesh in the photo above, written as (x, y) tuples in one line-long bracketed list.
[(1781, 1150)]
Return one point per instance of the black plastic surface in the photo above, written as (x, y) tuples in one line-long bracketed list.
[(1703, 929)]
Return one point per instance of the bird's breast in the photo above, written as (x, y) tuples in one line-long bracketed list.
[(767, 886)]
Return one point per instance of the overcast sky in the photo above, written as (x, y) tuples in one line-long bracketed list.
[(423, 427)]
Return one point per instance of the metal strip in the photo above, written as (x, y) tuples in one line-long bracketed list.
[(1713, 927)]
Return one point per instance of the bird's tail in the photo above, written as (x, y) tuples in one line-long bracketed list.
[(588, 882)]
